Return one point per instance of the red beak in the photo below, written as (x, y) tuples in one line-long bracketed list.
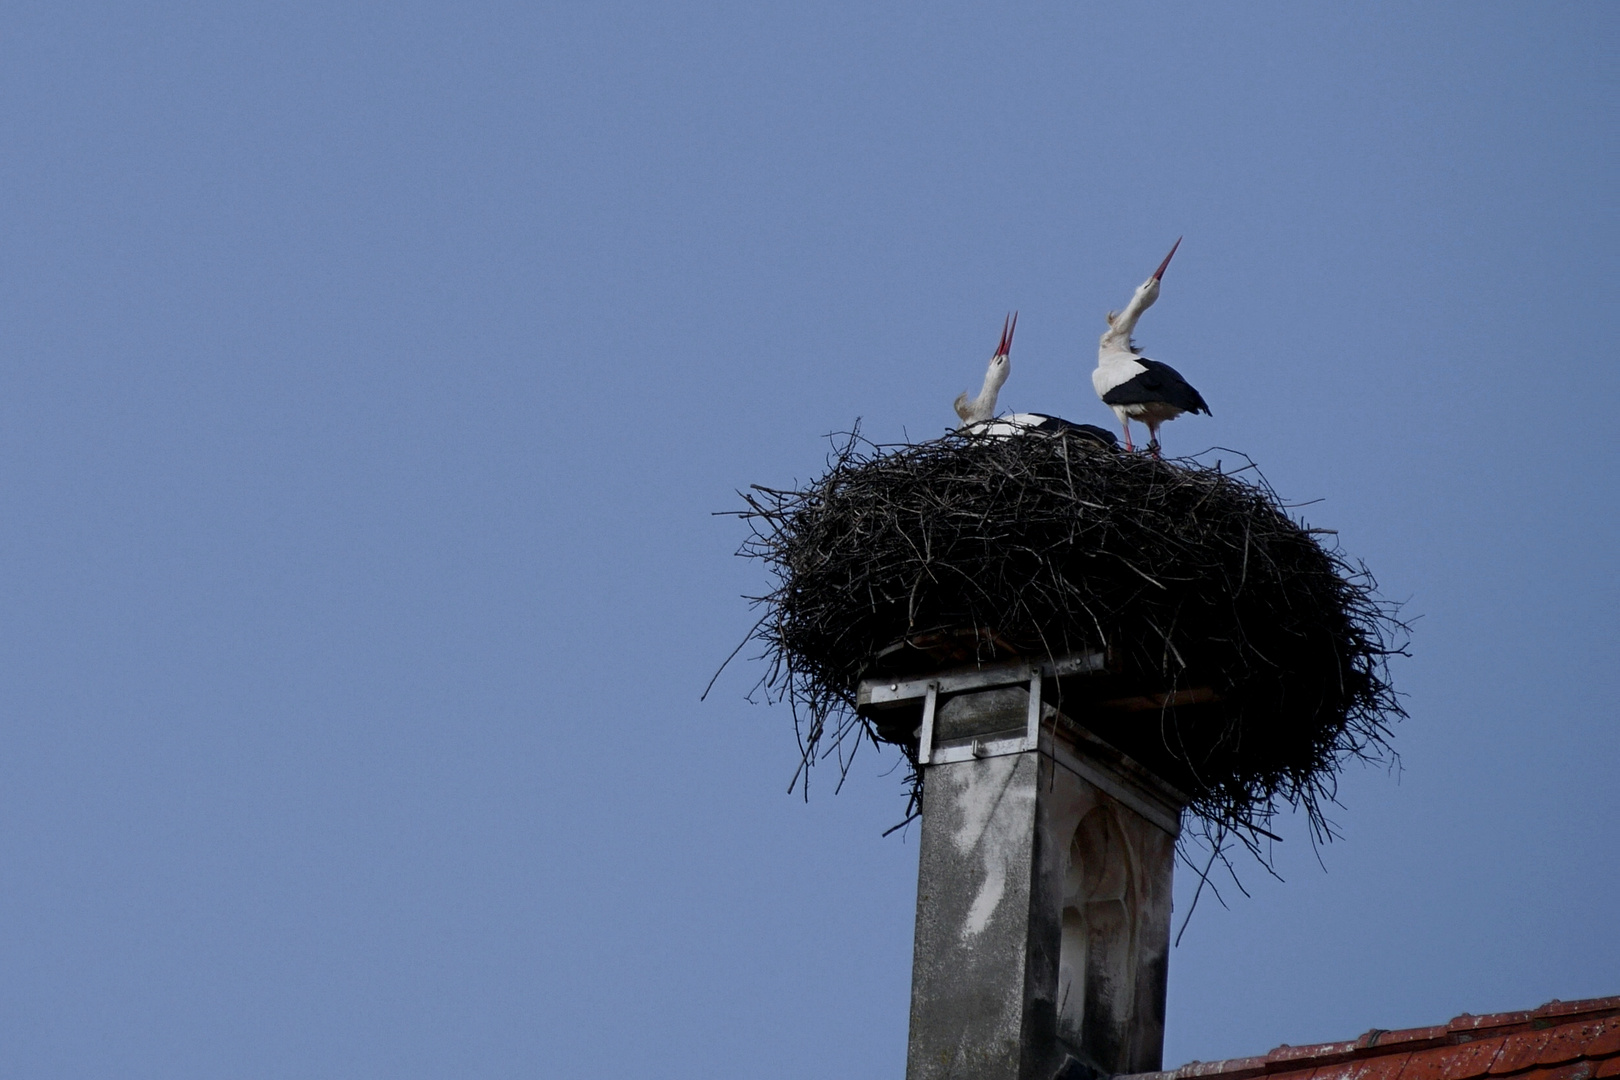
[(1009, 327), (1159, 273)]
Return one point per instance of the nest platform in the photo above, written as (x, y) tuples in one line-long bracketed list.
[(1246, 661)]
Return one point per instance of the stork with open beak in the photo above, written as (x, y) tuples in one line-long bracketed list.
[(979, 414), (1135, 387), (979, 409)]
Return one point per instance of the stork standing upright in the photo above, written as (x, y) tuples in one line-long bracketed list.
[(1135, 387)]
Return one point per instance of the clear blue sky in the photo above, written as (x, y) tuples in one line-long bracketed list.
[(371, 373)]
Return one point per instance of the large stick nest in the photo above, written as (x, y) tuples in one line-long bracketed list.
[(1247, 662)]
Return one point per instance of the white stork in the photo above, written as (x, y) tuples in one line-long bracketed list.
[(979, 409), (979, 414), (1135, 387)]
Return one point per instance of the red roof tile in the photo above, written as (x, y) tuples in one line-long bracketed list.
[(1285, 1056), (1579, 1070), (1387, 1067), (1346, 1070), (1571, 1042), (1520, 1053), (1468, 1022), (1608, 1043), (1453, 1062), (1473, 1058), (1562, 1040)]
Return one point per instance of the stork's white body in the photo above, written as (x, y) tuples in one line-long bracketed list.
[(1115, 372), (1038, 424)]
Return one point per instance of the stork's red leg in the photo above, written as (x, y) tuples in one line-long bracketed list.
[(1126, 424)]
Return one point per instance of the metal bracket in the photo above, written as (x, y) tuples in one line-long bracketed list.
[(929, 688), (1032, 732), (925, 747), (892, 691)]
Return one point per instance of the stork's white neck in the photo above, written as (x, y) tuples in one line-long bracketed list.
[(983, 407), (1117, 338)]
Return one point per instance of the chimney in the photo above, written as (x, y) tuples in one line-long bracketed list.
[(1065, 639), (1043, 891)]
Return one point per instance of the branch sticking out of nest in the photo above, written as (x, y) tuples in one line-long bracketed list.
[(1264, 656)]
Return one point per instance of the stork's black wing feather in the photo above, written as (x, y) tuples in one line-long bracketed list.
[(1160, 382), (1098, 435)]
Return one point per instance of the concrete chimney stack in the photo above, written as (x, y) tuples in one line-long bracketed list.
[(1043, 893)]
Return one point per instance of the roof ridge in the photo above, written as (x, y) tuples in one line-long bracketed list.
[(1380, 1042)]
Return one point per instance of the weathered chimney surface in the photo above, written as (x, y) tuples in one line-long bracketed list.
[(1043, 899)]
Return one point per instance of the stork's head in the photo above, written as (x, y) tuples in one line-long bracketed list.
[(1148, 291), (1120, 324), (1001, 363)]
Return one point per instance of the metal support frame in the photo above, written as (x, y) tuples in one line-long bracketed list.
[(1032, 729), (929, 688), (925, 748)]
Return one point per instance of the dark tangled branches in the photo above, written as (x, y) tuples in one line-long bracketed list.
[(1189, 576)]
